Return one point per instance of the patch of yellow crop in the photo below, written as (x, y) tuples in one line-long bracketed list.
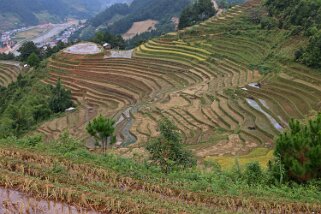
[(181, 45), (144, 48), (261, 155)]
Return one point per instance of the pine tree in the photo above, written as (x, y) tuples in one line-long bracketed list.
[(300, 150), (102, 129), (60, 99)]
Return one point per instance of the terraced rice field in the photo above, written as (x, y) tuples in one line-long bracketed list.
[(204, 78), (9, 72)]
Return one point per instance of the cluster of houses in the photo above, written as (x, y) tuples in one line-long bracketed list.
[(62, 37), (7, 38)]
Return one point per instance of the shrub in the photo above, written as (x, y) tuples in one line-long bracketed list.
[(167, 150), (253, 173)]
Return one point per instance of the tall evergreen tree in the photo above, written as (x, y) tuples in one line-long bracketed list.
[(60, 99), (300, 150)]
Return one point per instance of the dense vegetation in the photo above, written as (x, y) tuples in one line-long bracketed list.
[(102, 37), (302, 16), (197, 12), (31, 54), (4, 56), (118, 18), (26, 11), (26, 102), (300, 150)]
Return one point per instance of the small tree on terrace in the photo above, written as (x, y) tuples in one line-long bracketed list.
[(167, 150), (102, 129), (60, 99), (33, 60), (299, 150)]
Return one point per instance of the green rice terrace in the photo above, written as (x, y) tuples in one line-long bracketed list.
[(229, 86)]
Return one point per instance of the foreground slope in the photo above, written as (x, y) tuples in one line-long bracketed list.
[(63, 172), (229, 86)]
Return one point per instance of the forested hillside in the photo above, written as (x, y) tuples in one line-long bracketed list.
[(302, 17), (118, 18), (15, 13)]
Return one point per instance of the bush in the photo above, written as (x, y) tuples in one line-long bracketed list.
[(167, 150), (253, 173)]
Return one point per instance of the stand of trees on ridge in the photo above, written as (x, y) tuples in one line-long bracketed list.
[(32, 55), (195, 13)]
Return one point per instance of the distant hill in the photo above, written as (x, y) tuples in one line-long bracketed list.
[(119, 18), (16, 13)]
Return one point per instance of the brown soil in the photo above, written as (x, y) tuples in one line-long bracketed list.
[(140, 27)]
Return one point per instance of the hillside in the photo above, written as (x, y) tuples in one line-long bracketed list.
[(229, 84), (16, 13), (119, 18), (9, 72)]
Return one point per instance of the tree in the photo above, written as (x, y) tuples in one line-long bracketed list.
[(33, 60), (102, 129), (199, 11), (312, 54), (167, 150), (60, 99), (115, 41), (27, 49), (299, 150)]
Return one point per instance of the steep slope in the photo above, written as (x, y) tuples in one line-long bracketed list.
[(17, 13), (9, 72), (229, 85), (119, 18)]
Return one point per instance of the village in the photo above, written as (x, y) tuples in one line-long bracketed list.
[(44, 35)]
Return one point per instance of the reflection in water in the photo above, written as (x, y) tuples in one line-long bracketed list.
[(256, 106), (16, 202)]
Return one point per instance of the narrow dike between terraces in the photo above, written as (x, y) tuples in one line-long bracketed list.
[(12, 201)]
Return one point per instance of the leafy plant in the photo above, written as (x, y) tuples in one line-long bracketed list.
[(167, 150)]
